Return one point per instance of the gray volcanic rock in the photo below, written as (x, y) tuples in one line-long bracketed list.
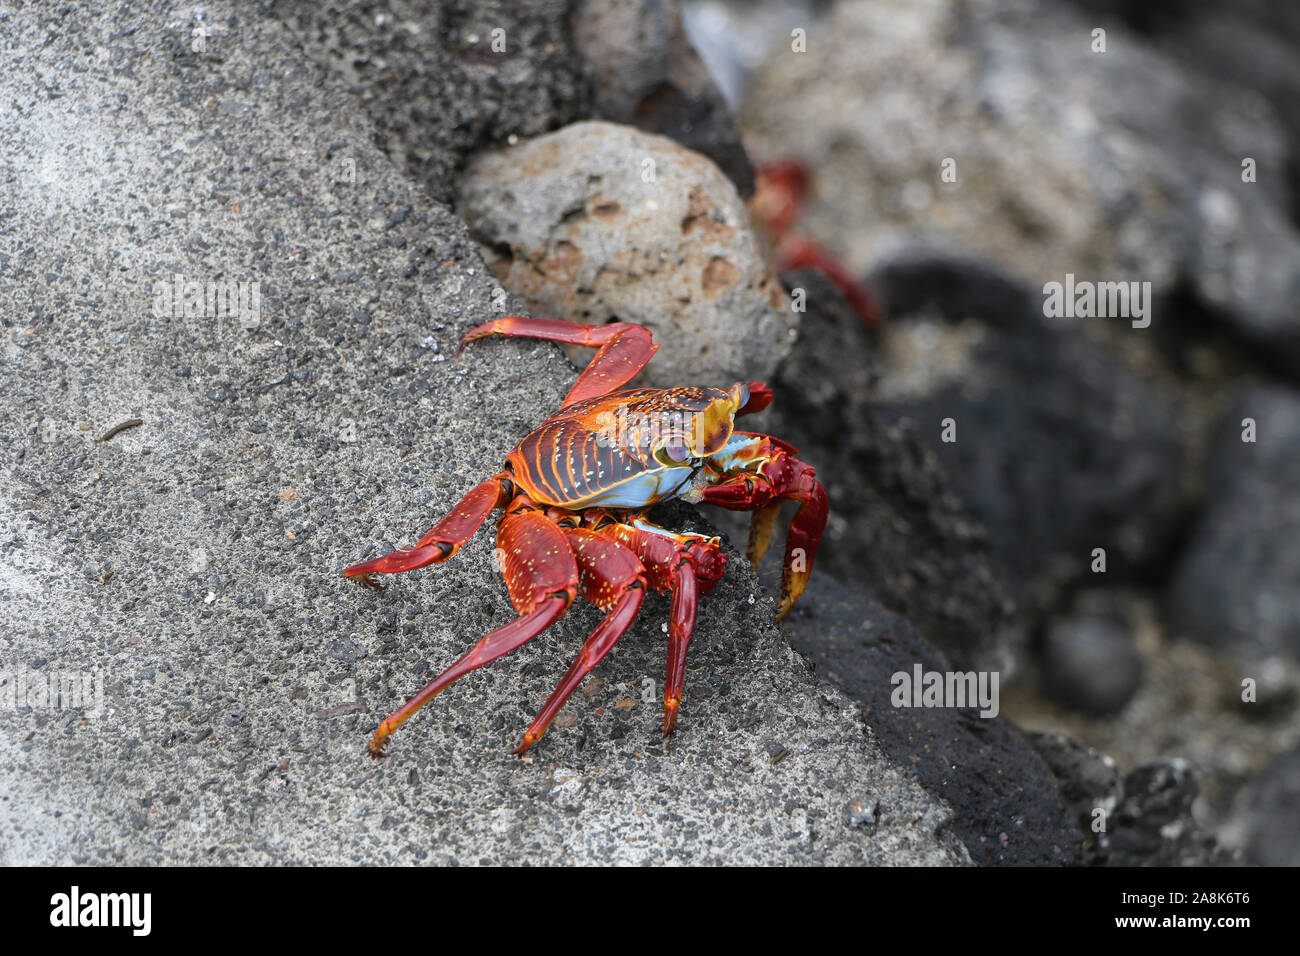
[(486, 71), (477, 71), (192, 562), (598, 222), (1237, 586)]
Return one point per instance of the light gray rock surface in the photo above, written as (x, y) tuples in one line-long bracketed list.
[(600, 221), (193, 561)]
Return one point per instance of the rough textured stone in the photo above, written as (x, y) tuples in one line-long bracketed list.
[(600, 222), (1146, 816), (193, 560), (422, 65)]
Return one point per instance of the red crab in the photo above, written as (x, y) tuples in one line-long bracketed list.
[(778, 205), (575, 492)]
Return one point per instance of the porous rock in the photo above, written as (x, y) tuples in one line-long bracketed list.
[(599, 222)]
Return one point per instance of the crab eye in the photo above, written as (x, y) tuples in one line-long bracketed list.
[(673, 453)]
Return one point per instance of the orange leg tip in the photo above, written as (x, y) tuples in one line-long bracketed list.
[(671, 706), (365, 580), (376, 746), (529, 739), (481, 331), (788, 601)]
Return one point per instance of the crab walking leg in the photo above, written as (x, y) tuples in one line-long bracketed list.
[(805, 531), (612, 579), (623, 349), (797, 252), (761, 527), (445, 538), (758, 471), (687, 565), (681, 626), (501, 641), (542, 577)]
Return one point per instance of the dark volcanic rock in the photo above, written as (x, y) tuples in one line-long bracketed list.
[(1090, 658), (1060, 447), (1237, 587), (1154, 826), (1266, 814), (895, 525), (1005, 799), (1143, 819)]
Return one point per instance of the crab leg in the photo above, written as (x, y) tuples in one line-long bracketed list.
[(445, 538), (778, 203), (687, 565), (613, 580), (543, 579), (623, 349), (758, 472), (796, 252), (761, 526), (760, 396)]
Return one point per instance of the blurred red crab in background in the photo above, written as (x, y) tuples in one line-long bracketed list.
[(776, 206)]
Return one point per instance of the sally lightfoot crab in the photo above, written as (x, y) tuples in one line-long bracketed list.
[(575, 492)]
